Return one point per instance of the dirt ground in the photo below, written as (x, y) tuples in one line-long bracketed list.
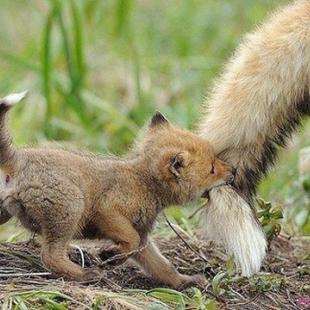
[(283, 283)]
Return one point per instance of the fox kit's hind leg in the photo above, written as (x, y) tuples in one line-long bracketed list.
[(154, 263), (55, 257), (56, 238), (59, 217), (119, 229)]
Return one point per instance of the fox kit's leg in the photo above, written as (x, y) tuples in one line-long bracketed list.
[(59, 218), (55, 254), (55, 257), (55, 246), (119, 229), (154, 263)]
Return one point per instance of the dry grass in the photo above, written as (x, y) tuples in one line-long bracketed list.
[(284, 279)]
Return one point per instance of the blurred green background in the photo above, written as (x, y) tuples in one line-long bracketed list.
[(97, 69)]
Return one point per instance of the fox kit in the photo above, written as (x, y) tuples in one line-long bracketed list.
[(255, 106), (62, 195)]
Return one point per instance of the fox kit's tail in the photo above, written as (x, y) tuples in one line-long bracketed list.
[(7, 151), (255, 106)]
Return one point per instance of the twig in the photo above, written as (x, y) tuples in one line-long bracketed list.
[(184, 241), (288, 294), (204, 205), (30, 274), (237, 293), (272, 299), (122, 255), (81, 253), (246, 302)]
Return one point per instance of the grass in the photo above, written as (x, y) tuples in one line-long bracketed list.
[(125, 287), (157, 299)]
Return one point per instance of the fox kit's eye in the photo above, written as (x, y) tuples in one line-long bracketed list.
[(177, 165), (212, 169)]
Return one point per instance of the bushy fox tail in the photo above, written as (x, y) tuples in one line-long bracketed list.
[(7, 150), (256, 104)]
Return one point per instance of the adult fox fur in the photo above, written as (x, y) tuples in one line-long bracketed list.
[(255, 106), (63, 195)]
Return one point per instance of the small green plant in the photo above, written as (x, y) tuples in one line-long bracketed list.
[(219, 283), (266, 283), (304, 218), (180, 301), (306, 185), (38, 300), (269, 217)]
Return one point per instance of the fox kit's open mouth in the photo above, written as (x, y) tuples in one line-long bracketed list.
[(207, 191), (205, 194)]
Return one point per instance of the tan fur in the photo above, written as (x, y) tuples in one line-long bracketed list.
[(255, 105), (64, 195)]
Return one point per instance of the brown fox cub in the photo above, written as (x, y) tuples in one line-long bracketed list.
[(63, 195)]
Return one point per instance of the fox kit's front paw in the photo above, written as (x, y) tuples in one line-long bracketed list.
[(198, 280)]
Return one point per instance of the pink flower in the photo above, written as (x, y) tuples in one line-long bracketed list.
[(303, 301)]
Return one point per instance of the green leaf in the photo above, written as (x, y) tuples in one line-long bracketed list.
[(19, 303), (156, 306), (47, 62), (169, 295), (216, 283), (212, 305), (230, 266), (53, 305)]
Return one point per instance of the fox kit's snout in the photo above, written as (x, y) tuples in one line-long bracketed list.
[(223, 172)]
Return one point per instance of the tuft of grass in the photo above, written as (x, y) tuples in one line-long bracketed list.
[(38, 299)]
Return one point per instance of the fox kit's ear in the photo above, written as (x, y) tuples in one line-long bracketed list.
[(178, 162), (158, 120)]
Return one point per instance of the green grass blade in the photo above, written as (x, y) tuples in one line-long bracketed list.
[(169, 295), (78, 42), (47, 62), (74, 98), (19, 303), (19, 61), (123, 10), (66, 44)]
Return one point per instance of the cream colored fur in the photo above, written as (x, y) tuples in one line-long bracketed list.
[(253, 104), (229, 219)]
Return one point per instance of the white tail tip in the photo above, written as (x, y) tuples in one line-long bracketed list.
[(230, 221), (14, 98)]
